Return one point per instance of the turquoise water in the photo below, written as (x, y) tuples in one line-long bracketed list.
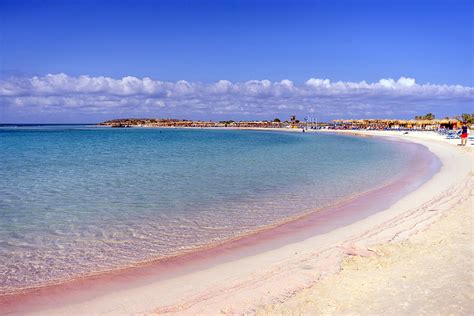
[(82, 199)]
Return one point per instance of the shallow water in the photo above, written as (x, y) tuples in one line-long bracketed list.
[(79, 199)]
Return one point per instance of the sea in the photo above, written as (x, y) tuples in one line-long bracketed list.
[(77, 200)]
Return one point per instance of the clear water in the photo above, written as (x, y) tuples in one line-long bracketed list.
[(78, 199)]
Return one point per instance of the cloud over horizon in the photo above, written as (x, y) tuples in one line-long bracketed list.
[(87, 95)]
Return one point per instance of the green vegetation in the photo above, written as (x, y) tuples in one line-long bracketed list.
[(227, 122), (429, 116), (466, 117)]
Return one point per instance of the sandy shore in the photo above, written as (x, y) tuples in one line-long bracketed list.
[(428, 272), (305, 276)]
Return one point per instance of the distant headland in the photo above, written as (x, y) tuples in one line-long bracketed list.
[(157, 122), (426, 122)]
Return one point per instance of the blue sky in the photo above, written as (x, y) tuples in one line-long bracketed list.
[(203, 42)]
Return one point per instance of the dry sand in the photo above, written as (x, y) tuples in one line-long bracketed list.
[(414, 265)]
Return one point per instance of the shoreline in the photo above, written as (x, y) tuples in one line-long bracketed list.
[(274, 228), (169, 308)]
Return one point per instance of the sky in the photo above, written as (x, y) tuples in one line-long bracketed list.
[(87, 61)]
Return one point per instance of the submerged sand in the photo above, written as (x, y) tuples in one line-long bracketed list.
[(413, 257)]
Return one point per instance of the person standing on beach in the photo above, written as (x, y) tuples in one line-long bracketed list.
[(464, 134)]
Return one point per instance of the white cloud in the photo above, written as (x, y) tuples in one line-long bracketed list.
[(83, 94), (319, 83)]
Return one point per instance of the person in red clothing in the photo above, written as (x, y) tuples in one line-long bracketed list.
[(464, 134)]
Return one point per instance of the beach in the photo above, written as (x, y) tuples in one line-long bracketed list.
[(313, 273), (214, 157), (428, 272)]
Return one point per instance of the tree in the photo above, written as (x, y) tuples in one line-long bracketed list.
[(466, 117), (277, 120), (429, 116), (227, 122)]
